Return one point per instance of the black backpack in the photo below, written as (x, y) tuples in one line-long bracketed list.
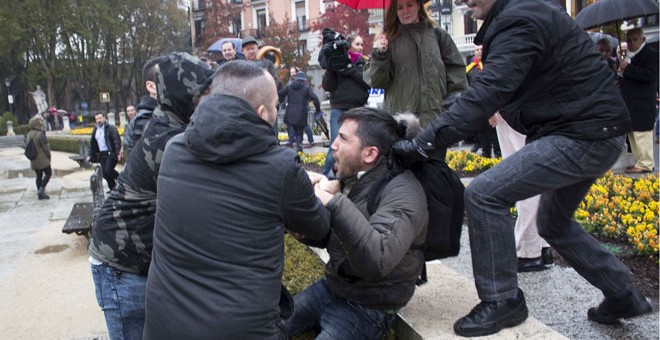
[(30, 150), (444, 196)]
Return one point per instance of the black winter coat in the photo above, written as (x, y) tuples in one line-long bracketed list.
[(347, 89), (639, 86), (298, 95), (542, 72), (112, 140), (226, 194)]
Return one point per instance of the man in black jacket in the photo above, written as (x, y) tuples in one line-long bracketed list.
[(226, 194), (544, 75), (639, 88), (105, 147)]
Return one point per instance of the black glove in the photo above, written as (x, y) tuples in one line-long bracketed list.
[(408, 152)]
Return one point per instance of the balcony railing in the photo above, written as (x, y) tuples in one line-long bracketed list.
[(464, 43)]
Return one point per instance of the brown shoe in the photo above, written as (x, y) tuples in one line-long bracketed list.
[(629, 167), (636, 170)]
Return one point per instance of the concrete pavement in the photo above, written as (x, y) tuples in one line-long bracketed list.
[(46, 291)]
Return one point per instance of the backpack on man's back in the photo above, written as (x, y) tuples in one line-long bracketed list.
[(444, 196)]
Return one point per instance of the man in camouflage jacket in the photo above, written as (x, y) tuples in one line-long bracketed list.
[(120, 248)]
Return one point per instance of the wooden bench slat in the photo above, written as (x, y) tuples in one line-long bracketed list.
[(80, 219)]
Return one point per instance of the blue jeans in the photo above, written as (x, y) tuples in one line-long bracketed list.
[(121, 297), (316, 308), (334, 129), (562, 170)]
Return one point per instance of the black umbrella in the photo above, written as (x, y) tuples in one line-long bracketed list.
[(614, 11), (321, 123)]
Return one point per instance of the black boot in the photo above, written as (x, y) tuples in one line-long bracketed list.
[(611, 310), (491, 317), (41, 194)]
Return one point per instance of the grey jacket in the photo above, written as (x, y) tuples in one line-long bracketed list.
[(371, 260)]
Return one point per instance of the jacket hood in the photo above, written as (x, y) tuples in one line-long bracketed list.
[(37, 123), (298, 84), (179, 78), (147, 103), (225, 129)]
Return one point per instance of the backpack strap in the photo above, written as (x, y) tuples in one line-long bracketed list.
[(373, 198)]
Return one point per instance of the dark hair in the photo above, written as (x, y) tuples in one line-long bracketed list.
[(604, 42), (229, 41), (376, 127), (149, 69)]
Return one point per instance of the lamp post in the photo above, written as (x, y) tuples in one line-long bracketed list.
[(10, 98)]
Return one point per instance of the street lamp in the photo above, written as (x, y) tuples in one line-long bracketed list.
[(10, 98)]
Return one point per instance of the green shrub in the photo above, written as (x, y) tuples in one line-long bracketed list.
[(64, 144), (7, 116)]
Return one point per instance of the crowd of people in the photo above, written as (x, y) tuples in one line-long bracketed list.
[(190, 241)]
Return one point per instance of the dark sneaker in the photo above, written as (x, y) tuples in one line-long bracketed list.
[(491, 317), (531, 264), (610, 311)]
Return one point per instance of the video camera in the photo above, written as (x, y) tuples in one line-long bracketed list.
[(334, 53)]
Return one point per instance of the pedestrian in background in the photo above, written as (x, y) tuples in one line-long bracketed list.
[(639, 88), (41, 164), (105, 149)]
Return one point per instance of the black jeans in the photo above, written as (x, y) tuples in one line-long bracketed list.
[(43, 176), (108, 162)]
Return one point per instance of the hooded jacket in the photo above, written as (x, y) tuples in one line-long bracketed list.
[(218, 252), (298, 95), (543, 74), (123, 226), (37, 133), (139, 123), (421, 68)]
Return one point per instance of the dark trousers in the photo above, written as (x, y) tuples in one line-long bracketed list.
[(562, 170), (108, 162), (43, 176), (489, 142)]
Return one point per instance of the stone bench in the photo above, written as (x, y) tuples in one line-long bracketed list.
[(81, 157), (81, 218)]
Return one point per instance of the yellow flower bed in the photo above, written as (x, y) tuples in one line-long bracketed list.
[(312, 158), (88, 131), (622, 208), (283, 136), (469, 163)]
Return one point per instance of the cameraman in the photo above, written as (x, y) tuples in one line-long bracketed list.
[(347, 90)]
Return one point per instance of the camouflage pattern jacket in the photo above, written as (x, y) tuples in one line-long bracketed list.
[(122, 235)]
